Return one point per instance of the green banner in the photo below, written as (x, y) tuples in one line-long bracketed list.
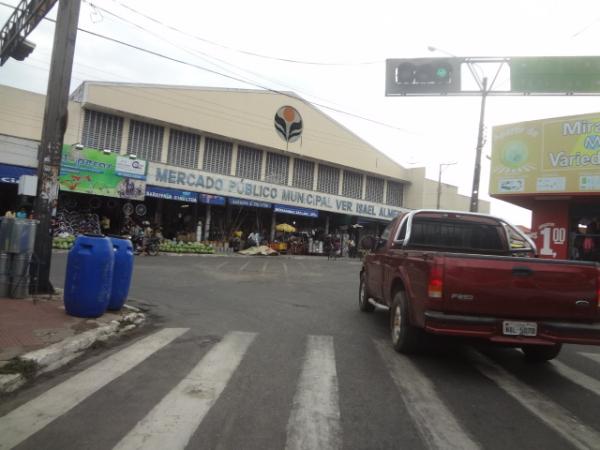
[(92, 171), (555, 74)]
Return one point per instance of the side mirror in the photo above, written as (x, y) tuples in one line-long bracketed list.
[(368, 243)]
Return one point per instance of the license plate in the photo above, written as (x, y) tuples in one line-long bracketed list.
[(511, 328)]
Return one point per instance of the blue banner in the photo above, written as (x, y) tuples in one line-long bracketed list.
[(171, 194), (294, 210), (11, 174), (210, 199), (244, 202)]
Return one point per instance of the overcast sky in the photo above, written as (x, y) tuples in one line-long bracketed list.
[(346, 44)]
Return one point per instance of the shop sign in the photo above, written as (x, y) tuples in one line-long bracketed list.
[(196, 180), (211, 199), (11, 174), (171, 194), (90, 171), (560, 155), (304, 212), (252, 203)]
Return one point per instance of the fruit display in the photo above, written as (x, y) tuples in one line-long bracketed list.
[(185, 247), (63, 243)]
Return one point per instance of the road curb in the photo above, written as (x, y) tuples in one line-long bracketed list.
[(57, 355)]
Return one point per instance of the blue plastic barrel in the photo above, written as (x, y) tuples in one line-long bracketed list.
[(123, 270), (88, 281)]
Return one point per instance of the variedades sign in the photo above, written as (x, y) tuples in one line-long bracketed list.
[(196, 180)]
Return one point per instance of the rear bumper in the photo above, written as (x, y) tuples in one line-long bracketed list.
[(490, 328)]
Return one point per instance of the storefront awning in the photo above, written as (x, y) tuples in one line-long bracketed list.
[(171, 194), (210, 199), (253, 203), (11, 174), (296, 211)]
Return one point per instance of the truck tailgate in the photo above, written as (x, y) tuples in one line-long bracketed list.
[(520, 288)]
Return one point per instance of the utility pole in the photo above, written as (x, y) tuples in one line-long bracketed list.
[(53, 130), (480, 142)]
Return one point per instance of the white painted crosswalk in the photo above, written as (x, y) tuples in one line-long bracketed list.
[(315, 415)]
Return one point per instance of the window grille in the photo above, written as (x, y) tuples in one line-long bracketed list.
[(352, 184), (145, 140), (277, 168), (328, 180), (374, 189), (395, 193), (102, 131), (304, 174), (183, 149), (249, 162), (217, 156)]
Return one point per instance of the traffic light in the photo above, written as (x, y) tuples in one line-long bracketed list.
[(422, 76)]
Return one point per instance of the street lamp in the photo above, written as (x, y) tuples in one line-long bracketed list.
[(439, 187)]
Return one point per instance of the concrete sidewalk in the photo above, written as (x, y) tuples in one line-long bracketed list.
[(37, 336)]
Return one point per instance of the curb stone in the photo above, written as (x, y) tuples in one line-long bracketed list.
[(57, 355)]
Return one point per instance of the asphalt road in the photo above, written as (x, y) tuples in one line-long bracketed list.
[(272, 353)]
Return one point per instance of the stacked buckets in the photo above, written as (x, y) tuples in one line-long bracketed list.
[(17, 238)]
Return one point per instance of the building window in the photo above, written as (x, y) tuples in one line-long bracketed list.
[(183, 149), (352, 185), (328, 180), (395, 193), (217, 156), (145, 140), (304, 174), (277, 168), (102, 131), (249, 162), (374, 189)]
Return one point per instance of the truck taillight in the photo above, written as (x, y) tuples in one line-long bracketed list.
[(436, 280)]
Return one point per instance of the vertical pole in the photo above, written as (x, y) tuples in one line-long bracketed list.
[(439, 188), (207, 224), (55, 124), (477, 171)]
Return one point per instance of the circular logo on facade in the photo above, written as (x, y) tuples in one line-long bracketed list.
[(515, 154), (288, 124)]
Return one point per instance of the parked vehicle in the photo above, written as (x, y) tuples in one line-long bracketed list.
[(477, 276)]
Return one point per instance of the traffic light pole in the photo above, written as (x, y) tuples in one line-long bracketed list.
[(480, 142), (53, 130)]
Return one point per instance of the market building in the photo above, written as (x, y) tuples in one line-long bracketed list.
[(552, 167), (205, 163)]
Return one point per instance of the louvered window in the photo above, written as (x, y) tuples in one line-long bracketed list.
[(183, 149), (328, 180), (353, 184), (217, 156), (102, 131), (374, 189), (249, 162), (304, 174), (277, 168), (395, 193), (145, 140)]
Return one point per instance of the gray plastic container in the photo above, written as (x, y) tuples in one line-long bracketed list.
[(19, 287), (22, 236), (5, 266)]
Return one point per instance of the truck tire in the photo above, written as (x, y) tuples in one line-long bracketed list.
[(405, 337), (363, 296), (541, 353)]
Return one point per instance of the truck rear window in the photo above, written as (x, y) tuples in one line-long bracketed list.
[(460, 236)]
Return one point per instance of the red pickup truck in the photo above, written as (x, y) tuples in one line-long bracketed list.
[(474, 275)]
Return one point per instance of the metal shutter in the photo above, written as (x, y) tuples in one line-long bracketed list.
[(217, 156), (277, 168), (183, 149), (249, 162), (328, 180), (352, 184), (102, 131), (395, 193), (145, 140), (374, 189), (304, 174)]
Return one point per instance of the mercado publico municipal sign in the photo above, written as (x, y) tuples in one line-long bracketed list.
[(200, 181)]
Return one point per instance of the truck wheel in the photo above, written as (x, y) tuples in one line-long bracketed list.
[(541, 353), (405, 337), (363, 296)]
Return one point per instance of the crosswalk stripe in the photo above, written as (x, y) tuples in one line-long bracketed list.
[(264, 267), (285, 269), (34, 415), (172, 422), (314, 421), (220, 266), (577, 377), (593, 356), (244, 266), (549, 412), (435, 422)]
